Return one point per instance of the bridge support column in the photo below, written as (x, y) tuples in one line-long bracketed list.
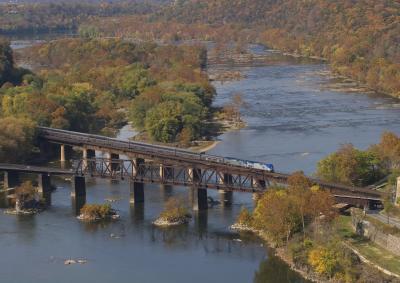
[(136, 192), (44, 187), (166, 172), (397, 200), (195, 173), (200, 201), (138, 162), (65, 152), (87, 154), (259, 183), (78, 187), (226, 196), (113, 157), (11, 179)]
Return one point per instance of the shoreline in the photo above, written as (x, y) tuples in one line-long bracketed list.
[(279, 252)]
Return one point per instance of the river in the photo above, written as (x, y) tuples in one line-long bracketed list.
[(294, 118)]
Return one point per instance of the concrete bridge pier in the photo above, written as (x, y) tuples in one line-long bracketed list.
[(87, 154), (78, 187), (199, 198), (166, 172), (44, 187), (195, 174), (138, 162), (11, 179), (65, 153), (226, 197), (78, 193), (199, 195), (259, 183), (136, 192), (113, 157)]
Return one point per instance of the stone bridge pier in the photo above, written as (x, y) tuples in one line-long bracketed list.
[(199, 195), (65, 153), (226, 197)]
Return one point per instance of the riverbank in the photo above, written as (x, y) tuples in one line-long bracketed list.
[(279, 252)]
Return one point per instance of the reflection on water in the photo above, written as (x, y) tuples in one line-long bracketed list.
[(273, 270)]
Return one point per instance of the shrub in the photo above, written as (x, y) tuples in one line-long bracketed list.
[(175, 210), (96, 211), (245, 217)]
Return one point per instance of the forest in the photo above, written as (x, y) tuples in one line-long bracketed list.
[(62, 16), (359, 38), (97, 85)]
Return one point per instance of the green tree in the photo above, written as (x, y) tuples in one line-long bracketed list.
[(349, 166), (16, 139)]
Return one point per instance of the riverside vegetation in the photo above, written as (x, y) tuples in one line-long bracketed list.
[(303, 224)]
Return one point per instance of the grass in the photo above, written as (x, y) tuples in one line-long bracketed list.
[(368, 249)]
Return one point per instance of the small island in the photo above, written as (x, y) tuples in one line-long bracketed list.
[(96, 212), (27, 200), (175, 213)]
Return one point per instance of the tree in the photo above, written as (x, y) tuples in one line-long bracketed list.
[(276, 216), (389, 208), (6, 62), (349, 166), (388, 151), (16, 139), (237, 104), (299, 189)]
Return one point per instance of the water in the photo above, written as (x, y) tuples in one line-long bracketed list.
[(296, 115), (294, 118)]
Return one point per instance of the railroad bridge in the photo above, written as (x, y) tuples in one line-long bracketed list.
[(141, 163)]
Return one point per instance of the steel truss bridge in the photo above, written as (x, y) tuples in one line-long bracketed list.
[(149, 163)]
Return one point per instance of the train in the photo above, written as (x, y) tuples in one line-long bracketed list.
[(151, 149), (250, 164)]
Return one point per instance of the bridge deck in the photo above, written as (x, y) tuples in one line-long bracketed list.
[(35, 169)]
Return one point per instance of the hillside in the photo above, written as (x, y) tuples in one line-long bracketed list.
[(360, 38)]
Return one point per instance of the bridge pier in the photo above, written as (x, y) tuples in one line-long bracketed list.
[(87, 154), (65, 152), (200, 201), (44, 187), (166, 172), (113, 157), (136, 192), (11, 179), (195, 173), (259, 183), (137, 162), (199, 195), (226, 197), (78, 187)]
